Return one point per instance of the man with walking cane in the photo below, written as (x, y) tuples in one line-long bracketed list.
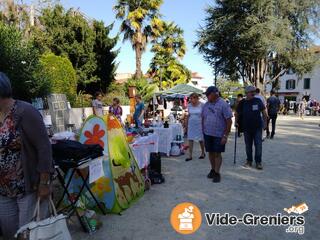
[(253, 125), (235, 146)]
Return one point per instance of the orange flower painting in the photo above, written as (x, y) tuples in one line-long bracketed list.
[(113, 123), (96, 136)]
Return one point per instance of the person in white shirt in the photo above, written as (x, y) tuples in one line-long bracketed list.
[(97, 105)]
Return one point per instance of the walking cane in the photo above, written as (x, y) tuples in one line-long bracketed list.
[(235, 146)]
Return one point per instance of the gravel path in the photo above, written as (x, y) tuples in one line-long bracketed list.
[(291, 175)]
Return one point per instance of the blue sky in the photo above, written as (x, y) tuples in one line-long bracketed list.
[(188, 14)]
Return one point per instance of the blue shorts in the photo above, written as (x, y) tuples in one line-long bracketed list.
[(213, 144)]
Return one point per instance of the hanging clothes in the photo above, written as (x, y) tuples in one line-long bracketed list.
[(165, 103), (185, 102)]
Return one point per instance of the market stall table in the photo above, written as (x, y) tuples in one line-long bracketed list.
[(167, 136), (142, 147), (177, 130)]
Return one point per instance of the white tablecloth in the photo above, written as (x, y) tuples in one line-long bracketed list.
[(167, 136), (142, 147), (177, 130)]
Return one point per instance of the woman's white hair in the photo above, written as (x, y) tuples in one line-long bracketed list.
[(5, 86)]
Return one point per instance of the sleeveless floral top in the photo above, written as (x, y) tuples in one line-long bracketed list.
[(12, 182)]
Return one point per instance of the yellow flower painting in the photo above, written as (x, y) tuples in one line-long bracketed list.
[(101, 186)]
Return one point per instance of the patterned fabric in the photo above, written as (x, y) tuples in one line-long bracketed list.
[(12, 182), (117, 111), (214, 117)]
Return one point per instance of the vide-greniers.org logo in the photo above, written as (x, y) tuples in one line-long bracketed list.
[(295, 223), (186, 218)]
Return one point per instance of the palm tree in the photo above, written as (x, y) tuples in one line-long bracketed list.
[(171, 41), (168, 49), (140, 23)]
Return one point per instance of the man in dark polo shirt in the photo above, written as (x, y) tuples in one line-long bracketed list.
[(253, 125)]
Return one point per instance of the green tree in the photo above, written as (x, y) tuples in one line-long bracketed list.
[(18, 59), (258, 40), (116, 91), (68, 33), (140, 23), (171, 41), (168, 49), (86, 43), (144, 87), (228, 87), (105, 57), (14, 14), (58, 73), (170, 74)]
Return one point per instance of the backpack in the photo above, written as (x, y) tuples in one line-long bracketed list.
[(156, 178)]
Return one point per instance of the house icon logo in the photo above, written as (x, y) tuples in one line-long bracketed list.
[(186, 218)]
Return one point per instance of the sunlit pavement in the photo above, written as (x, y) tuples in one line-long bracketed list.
[(291, 175)]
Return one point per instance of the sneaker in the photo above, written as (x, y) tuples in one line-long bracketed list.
[(188, 159), (216, 178), (248, 164), (259, 166), (211, 174)]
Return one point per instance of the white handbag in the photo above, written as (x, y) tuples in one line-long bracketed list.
[(53, 228)]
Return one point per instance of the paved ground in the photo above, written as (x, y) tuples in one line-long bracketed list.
[(291, 176)]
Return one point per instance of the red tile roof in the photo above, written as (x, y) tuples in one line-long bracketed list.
[(196, 75)]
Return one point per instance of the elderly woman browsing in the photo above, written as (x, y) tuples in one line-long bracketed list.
[(25, 161)]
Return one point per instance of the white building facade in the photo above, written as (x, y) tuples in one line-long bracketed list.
[(197, 81), (294, 88)]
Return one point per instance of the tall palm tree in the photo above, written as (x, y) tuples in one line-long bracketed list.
[(171, 41), (168, 49), (140, 23)]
